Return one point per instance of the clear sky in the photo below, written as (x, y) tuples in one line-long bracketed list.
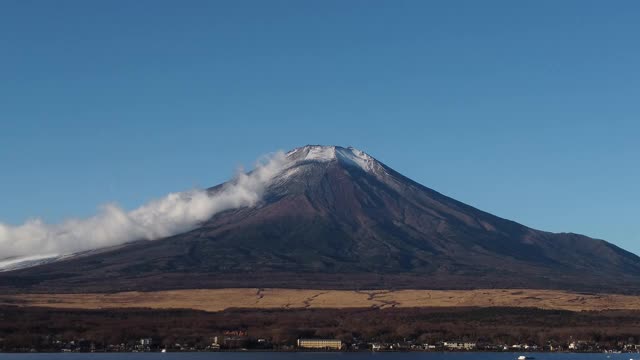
[(526, 109)]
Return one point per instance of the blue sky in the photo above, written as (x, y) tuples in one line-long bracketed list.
[(529, 110)]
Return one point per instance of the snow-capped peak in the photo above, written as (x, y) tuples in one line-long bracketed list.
[(348, 156)]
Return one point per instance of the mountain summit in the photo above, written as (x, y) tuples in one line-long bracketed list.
[(347, 156), (335, 217)]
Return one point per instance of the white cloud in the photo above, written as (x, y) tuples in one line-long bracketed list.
[(173, 214)]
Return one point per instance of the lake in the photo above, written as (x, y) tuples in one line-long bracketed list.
[(315, 356)]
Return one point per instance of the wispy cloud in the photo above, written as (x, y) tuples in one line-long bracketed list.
[(173, 214)]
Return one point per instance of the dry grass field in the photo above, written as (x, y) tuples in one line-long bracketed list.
[(221, 299)]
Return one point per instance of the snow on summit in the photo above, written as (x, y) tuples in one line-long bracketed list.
[(349, 156)]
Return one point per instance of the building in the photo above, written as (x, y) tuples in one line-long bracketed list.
[(331, 344), (459, 345)]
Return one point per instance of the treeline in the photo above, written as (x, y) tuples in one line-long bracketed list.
[(23, 328)]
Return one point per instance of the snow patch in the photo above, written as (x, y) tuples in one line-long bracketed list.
[(321, 153), (357, 158), (26, 261), (349, 156)]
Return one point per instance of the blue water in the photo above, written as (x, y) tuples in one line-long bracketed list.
[(316, 356)]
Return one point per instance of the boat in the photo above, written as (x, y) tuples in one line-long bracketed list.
[(522, 357)]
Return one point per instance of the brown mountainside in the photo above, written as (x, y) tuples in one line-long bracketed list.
[(338, 218)]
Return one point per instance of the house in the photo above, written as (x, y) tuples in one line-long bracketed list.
[(329, 344)]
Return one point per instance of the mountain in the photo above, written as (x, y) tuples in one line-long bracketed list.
[(336, 217)]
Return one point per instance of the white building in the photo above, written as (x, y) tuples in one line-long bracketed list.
[(331, 344), (459, 345)]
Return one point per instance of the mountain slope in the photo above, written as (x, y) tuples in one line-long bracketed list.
[(337, 218)]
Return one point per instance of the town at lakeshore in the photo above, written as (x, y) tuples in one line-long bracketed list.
[(32, 329), (239, 340)]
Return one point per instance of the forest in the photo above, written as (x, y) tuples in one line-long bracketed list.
[(42, 329)]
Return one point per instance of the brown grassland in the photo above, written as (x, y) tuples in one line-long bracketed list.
[(251, 298)]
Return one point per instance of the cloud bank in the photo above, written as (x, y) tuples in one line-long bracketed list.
[(171, 215)]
